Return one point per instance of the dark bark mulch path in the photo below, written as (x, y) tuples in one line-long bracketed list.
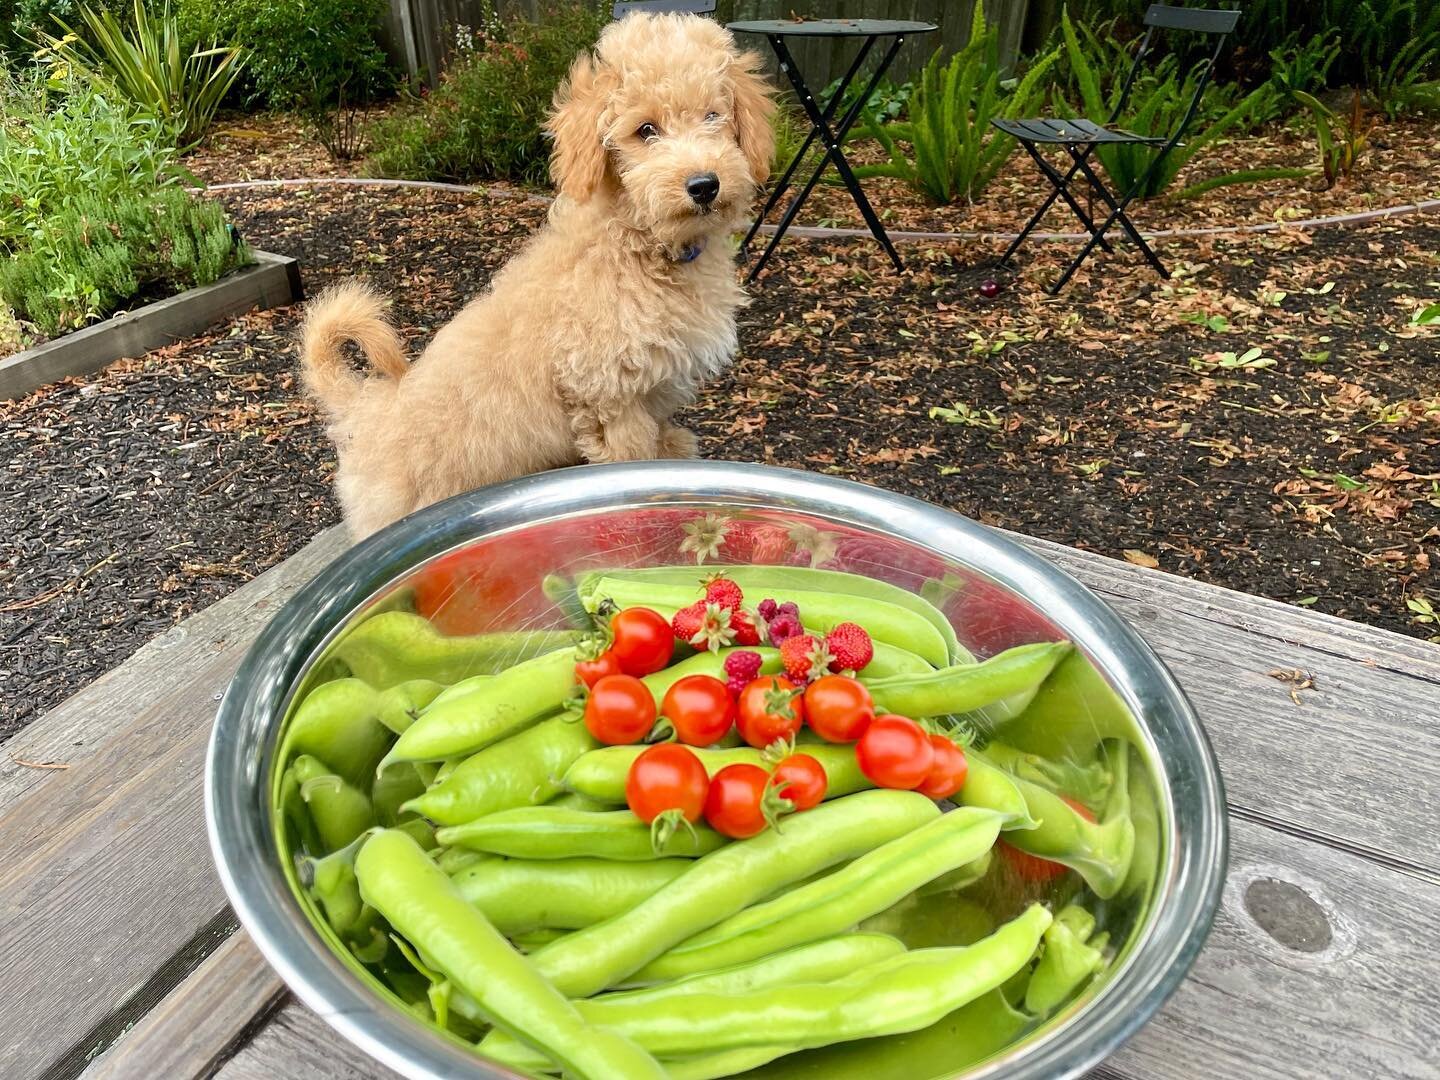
[(1128, 417)]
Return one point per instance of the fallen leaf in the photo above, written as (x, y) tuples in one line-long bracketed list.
[(1141, 558)]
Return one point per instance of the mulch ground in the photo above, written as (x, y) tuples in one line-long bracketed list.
[(1132, 417)]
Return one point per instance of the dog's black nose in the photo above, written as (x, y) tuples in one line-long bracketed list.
[(703, 187)]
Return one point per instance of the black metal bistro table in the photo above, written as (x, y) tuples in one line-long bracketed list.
[(822, 118)]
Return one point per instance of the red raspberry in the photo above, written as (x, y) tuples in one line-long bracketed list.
[(781, 628), (742, 668), (851, 646), (767, 609), (804, 657)]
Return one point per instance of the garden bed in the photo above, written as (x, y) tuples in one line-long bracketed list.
[(1104, 419)]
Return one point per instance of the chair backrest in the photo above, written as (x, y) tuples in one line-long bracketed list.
[(1196, 20), (661, 7)]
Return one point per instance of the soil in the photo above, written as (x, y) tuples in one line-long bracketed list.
[(1130, 416)]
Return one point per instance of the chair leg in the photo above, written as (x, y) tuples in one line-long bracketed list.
[(1118, 214), (1060, 188)]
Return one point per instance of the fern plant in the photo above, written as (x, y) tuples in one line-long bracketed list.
[(146, 64), (954, 151)]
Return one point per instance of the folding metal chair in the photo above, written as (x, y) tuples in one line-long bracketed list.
[(1080, 138), (663, 7)]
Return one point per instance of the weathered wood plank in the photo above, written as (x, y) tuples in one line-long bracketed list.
[(105, 873), (71, 732), (1364, 1003), (298, 1043), (1367, 726), (196, 1027)]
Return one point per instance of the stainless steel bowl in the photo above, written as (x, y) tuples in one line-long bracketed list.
[(1010, 595)]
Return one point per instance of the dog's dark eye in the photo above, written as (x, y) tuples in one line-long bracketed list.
[(648, 132), (712, 117)]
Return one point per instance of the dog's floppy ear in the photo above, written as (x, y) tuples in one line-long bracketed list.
[(754, 106), (578, 161)]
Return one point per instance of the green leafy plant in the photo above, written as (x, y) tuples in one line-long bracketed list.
[(1303, 66), (483, 121), (146, 64), (90, 259), (954, 150), (60, 144), (1342, 139), (1156, 106)]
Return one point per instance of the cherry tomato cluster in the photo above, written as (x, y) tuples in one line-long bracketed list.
[(668, 785)]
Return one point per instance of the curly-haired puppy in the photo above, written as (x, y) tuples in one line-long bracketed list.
[(604, 324)]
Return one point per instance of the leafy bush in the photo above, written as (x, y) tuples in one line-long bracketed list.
[(483, 122), (93, 257), (1157, 103), (1303, 66), (956, 152), (145, 63), (302, 54), (22, 22), (58, 147)]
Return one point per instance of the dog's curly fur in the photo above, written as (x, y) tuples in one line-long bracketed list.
[(598, 330)]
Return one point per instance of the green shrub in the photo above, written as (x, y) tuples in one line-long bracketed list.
[(22, 22), (1157, 103), (92, 258), (302, 54), (145, 63), (58, 147), (954, 149), (483, 122)]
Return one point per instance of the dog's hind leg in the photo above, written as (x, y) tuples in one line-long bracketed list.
[(677, 442), (630, 434)]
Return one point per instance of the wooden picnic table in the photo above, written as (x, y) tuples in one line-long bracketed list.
[(122, 959)]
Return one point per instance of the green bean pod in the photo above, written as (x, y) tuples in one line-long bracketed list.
[(459, 689), (1101, 851), (819, 961), (452, 860), (1066, 961), (833, 903), (905, 993), (706, 663), (348, 724), (726, 881), (418, 900), (552, 832), (330, 880), (502, 706), (962, 877), (994, 789), (967, 687), (780, 582), (1088, 781), (396, 646), (892, 660), (396, 785), (339, 810), (1145, 814), (523, 770), (519, 895), (822, 611), (600, 774)]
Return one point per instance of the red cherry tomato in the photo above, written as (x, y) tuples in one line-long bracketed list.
[(700, 709), (737, 802), (665, 779), (947, 774), (838, 708), (770, 709), (470, 591), (619, 710), (802, 780), (895, 752), (591, 671), (643, 640), (1032, 867)]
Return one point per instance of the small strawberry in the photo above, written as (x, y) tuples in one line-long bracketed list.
[(782, 628), (714, 631), (723, 591), (851, 647), (742, 668), (804, 657), (746, 631), (686, 622)]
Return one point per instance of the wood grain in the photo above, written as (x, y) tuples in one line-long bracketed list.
[(195, 1028), (105, 872), (297, 1043)]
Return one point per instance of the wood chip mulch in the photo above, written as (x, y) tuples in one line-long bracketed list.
[(1131, 416)]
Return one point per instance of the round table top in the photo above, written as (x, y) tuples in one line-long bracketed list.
[(831, 27)]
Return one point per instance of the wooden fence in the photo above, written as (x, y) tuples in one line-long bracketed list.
[(420, 34)]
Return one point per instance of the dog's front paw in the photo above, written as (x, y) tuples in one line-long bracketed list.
[(677, 442)]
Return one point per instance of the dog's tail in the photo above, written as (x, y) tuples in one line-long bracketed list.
[(351, 312)]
